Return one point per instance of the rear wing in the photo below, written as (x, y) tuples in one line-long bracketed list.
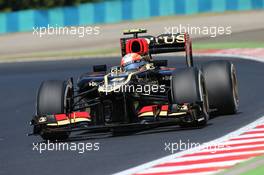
[(164, 43)]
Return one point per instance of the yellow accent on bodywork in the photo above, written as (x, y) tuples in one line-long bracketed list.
[(67, 122), (162, 113)]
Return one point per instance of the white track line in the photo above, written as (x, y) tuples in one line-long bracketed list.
[(231, 148), (258, 129), (205, 157), (204, 173), (232, 142), (193, 150), (189, 167), (231, 56), (252, 136)]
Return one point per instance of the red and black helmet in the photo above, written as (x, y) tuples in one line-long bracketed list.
[(132, 61)]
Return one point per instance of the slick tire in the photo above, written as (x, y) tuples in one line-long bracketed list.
[(188, 86), (51, 99), (222, 87)]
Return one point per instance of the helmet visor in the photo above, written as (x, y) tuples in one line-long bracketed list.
[(134, 66)]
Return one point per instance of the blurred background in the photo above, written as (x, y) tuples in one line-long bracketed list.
[(13, 5), (18, 19)]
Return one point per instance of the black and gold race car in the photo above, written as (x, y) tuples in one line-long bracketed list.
[(140, 93)]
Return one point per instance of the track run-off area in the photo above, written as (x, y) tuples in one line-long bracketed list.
[(19, 84)]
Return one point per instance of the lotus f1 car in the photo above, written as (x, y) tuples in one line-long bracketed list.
[(139, 93)]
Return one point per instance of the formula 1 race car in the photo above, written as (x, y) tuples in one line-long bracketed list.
[(140, 93)]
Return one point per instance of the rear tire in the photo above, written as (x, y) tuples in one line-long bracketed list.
[(221, 82), (51, 100), (188, 86)]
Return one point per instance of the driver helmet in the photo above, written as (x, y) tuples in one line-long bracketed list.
[(132, 61)]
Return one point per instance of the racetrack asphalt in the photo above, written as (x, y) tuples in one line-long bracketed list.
[(19, 84)]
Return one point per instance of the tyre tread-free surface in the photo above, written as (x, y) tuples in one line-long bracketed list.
[(185, 86), (50, 99), (221, 86)]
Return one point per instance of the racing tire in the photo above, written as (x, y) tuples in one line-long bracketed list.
[(51, 99), (221, 82), (188, 86)]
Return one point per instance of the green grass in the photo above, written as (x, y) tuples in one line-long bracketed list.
[(74, 54), (222, 45), (259, 170), (116, 51)]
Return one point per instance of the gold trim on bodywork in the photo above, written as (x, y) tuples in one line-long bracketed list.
[(162, 113), (59, 123), (67, 122)]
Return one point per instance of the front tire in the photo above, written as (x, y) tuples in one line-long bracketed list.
[(188, 86), (52, 99), (221, 82)]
